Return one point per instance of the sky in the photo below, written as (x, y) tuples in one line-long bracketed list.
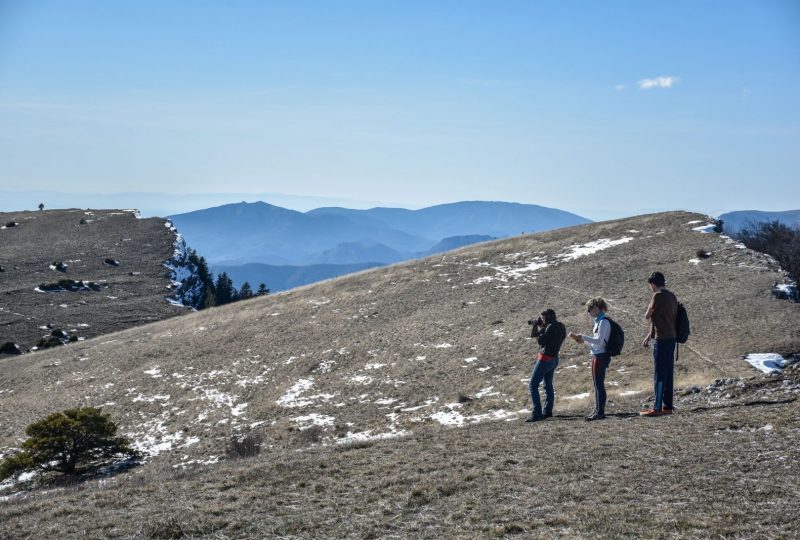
[(600, 108)]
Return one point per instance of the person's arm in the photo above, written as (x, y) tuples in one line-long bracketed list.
[(655, 304), (651, 308), (537, 333), (600, 334), (549, 336)]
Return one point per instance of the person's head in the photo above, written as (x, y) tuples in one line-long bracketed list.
[(595, 306), (548, 316), (657, 281)]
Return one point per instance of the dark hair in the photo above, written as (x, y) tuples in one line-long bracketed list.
[(549, 315), (599, 303), (657, 279)]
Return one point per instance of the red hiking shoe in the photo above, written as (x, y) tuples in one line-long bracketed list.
[(664, 410), (650, 412)]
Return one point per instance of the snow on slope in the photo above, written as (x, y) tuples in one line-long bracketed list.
[(186, 285)]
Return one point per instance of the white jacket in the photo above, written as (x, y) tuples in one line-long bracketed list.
[(602, 332)]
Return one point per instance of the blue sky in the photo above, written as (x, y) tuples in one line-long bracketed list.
[(602, 108)]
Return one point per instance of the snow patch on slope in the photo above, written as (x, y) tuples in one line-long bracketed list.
[(186, 284)]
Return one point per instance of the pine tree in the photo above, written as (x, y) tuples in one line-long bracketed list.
[(225, 291), (245, 292), (209, 297), (202, 270), (67, 442), (262, 290)]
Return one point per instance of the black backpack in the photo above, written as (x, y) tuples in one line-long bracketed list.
[(682, 325), (616, 339)]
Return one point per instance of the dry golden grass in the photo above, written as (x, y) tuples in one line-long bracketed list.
[(385, 352), (705, 471)]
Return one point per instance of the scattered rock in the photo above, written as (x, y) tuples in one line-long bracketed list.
[(48, 342), (786, 291), (73, 339), (84, 222), (111, 262), (60, 266), (134, 273), (10, 348), (2, 269), (50, 287), (59, 333), (11, 224), (703, 254), (70, 285)]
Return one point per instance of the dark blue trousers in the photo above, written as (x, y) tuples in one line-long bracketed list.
[(663, 372), (543, 371), (599, 366)]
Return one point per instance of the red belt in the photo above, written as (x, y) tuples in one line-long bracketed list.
[(546, 358)]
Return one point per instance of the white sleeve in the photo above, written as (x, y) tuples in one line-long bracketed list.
[(601, 334)]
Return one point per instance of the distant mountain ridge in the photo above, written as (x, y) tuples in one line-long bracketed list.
[(455, 242), (260, 232), (733, 222), (492, 218), (282, 278)]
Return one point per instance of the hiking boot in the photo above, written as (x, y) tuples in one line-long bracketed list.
[(595, 416), (665, 410), (547, 415), (650, 412), (534, 418)]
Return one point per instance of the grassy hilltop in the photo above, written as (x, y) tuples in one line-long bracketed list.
[(353, 385), (87, 243)]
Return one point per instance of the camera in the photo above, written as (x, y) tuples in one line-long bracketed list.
[(536, 322)]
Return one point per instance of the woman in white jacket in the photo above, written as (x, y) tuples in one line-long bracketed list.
[(597, 342)]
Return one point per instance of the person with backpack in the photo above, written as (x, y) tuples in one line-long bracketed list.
[(550, 334), (662, 312), (598, 343)]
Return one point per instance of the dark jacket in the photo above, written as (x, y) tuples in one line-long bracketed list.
[(551, 338)]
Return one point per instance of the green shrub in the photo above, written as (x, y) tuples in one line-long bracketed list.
[(68, 442)]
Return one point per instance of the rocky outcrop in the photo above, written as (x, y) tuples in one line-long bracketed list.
[(9, 347)]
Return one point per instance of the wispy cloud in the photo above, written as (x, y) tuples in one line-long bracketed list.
[(620, 87), (658, 82)]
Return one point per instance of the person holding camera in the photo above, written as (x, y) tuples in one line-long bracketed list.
[(597, 342), (550, 334)]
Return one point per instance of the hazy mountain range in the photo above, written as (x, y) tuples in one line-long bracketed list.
[(281, 278), (162, 204), (733, 222), (246, 233)]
